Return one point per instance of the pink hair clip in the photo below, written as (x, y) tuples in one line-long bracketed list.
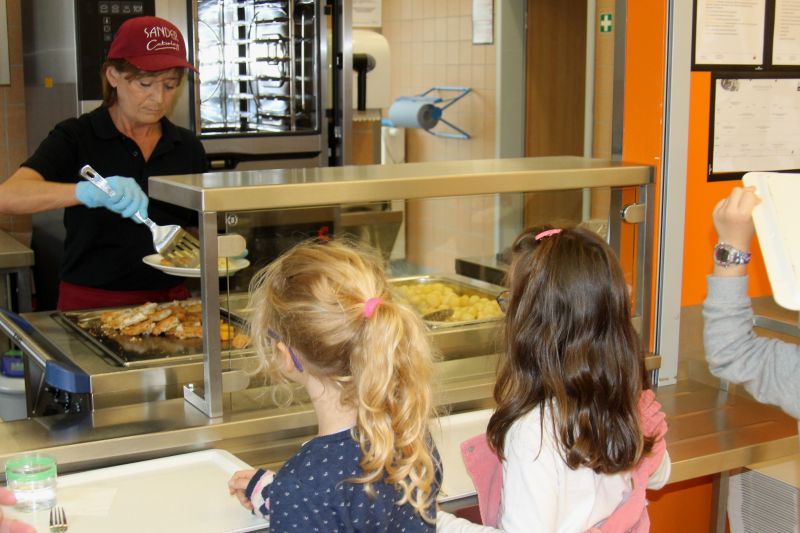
[(370, 305), (547, 233)]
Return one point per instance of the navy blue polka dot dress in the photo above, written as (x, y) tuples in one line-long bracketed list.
[(310, 493)]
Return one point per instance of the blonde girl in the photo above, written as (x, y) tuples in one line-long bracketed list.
[(325, 318)]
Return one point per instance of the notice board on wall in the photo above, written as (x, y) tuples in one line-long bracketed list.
[(756, 35), (755, 124)]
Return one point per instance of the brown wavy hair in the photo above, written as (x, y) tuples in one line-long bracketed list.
[(571, 350), (313, 296)]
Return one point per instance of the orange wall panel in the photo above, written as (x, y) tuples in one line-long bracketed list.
[(683, 506), (644, 92), (644, 82)]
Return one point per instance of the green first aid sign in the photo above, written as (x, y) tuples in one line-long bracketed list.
[(606, 24)]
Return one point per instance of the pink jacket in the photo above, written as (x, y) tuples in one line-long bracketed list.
[(486, 471)]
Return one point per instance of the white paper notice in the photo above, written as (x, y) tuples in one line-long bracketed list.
[(786, 41), (367, 14), (756, 125), (482, 21), (730, 33)]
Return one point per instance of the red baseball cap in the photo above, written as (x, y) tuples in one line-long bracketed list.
[(150, 44)]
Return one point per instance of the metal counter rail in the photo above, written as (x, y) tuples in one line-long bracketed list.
[(297, 187)]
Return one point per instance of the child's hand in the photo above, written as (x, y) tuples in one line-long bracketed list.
[(237, 485), (9, 525), (733, 217)]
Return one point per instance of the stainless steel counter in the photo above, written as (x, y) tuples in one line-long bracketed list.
[(16, 259), (251, 427), (46, 339), (13, 254), (710, 431)]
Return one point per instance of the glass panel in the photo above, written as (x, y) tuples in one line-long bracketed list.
[(258, 66), (443, 255)]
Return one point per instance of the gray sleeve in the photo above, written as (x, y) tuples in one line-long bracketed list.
[(768, 368)]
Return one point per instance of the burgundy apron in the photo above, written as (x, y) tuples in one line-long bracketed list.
[(73, 297)]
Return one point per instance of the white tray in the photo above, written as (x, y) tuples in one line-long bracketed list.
[(777, 220), (186, 492), (448, 433)]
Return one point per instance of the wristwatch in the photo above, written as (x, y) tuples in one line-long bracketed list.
[(726, 255)]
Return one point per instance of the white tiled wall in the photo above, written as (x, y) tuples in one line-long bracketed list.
[(431, 44)]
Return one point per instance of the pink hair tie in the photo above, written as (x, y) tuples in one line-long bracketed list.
[(547, 233), (370, 305)]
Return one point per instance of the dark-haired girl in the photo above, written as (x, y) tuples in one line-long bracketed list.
[(578, 434)]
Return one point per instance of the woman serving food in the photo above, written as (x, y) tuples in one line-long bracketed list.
[(129, 139)]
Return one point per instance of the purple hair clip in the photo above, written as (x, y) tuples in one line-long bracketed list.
[(547, 233), (277, 338)]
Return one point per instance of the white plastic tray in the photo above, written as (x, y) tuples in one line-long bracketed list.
[(448, 434), (777, 222), (173, 494)]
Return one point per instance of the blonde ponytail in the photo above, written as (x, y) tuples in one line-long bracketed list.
[(332, 302), (392, 372)]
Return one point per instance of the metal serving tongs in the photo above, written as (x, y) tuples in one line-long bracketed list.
[(172, 241)]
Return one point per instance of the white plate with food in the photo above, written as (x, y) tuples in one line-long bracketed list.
[(224, 266)]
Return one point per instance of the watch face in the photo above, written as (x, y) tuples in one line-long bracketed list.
[(726, 255), (723, 254)]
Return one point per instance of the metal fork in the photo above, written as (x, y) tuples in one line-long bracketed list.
[(58, 520), (172, 241)]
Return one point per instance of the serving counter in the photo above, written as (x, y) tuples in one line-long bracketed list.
[(167, 407), (450, 210)]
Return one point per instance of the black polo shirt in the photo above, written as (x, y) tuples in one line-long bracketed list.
[(102, 249)]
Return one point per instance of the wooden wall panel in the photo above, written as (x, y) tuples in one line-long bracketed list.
[(556, 79)]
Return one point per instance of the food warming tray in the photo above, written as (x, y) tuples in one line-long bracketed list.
[(238, 304), (462, 285), (131, 351)]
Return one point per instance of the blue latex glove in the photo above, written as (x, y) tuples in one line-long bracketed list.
[(128, 197)]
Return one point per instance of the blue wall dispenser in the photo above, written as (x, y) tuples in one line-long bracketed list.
[(420, 112)]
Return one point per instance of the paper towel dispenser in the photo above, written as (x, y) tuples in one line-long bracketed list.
[(421, 112)]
